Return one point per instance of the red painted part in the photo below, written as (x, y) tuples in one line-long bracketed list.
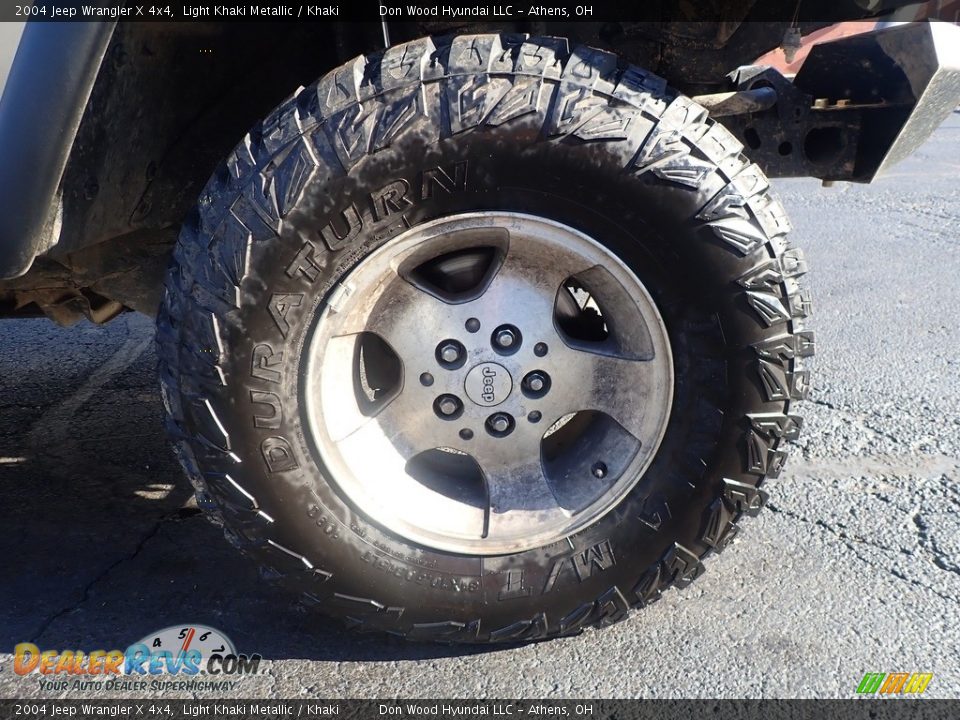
[(941, 10), (776, 57)]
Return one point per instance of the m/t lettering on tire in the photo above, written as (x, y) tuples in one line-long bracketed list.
[(513, 586), (584, 564)]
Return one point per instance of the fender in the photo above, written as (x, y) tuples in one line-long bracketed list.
[(40, 110)]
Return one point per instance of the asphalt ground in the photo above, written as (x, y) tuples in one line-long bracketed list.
[(853, 567)]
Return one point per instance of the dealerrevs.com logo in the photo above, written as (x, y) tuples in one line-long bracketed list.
[(179, 651), (894, 683)]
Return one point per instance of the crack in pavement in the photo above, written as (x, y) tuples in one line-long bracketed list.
[(176, 515), (851, 543), (274, 680), (843, 535), (858, 418), (926, 541)]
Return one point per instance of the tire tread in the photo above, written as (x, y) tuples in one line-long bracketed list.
[(479, 79)]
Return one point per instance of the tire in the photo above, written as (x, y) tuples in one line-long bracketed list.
[(483, 123)]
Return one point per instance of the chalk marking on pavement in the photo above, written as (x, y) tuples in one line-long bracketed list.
[(871, 465), (54, 429)]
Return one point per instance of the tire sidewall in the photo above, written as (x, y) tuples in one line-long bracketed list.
[(650, 225)]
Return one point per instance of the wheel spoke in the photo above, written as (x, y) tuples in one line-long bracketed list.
[(526, 284), (383, 446), (520, 498), (621, 388), (397, 428), (546, 273), (404, 316)]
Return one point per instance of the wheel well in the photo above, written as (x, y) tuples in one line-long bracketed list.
[(171, 101)]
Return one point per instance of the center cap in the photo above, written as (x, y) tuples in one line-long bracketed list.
[(488, 384)]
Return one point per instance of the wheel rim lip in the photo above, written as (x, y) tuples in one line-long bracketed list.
[(342, 476)]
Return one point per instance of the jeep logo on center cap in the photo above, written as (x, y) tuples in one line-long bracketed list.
[(488, 384)]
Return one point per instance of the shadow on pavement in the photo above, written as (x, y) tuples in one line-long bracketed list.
[(101, 544)]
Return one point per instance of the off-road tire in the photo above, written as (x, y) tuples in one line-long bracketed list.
[(440, 126)]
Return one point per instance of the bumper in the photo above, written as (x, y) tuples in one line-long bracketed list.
[(902, 81), (857, 105)]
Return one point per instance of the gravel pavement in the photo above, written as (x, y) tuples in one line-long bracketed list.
[(853, 567)]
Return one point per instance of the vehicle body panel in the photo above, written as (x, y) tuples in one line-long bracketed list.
[(43, 102)]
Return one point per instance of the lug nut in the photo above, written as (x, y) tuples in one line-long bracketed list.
[(448, 407), (506, 339), (536, 384), (450, 353), (500, 424)]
